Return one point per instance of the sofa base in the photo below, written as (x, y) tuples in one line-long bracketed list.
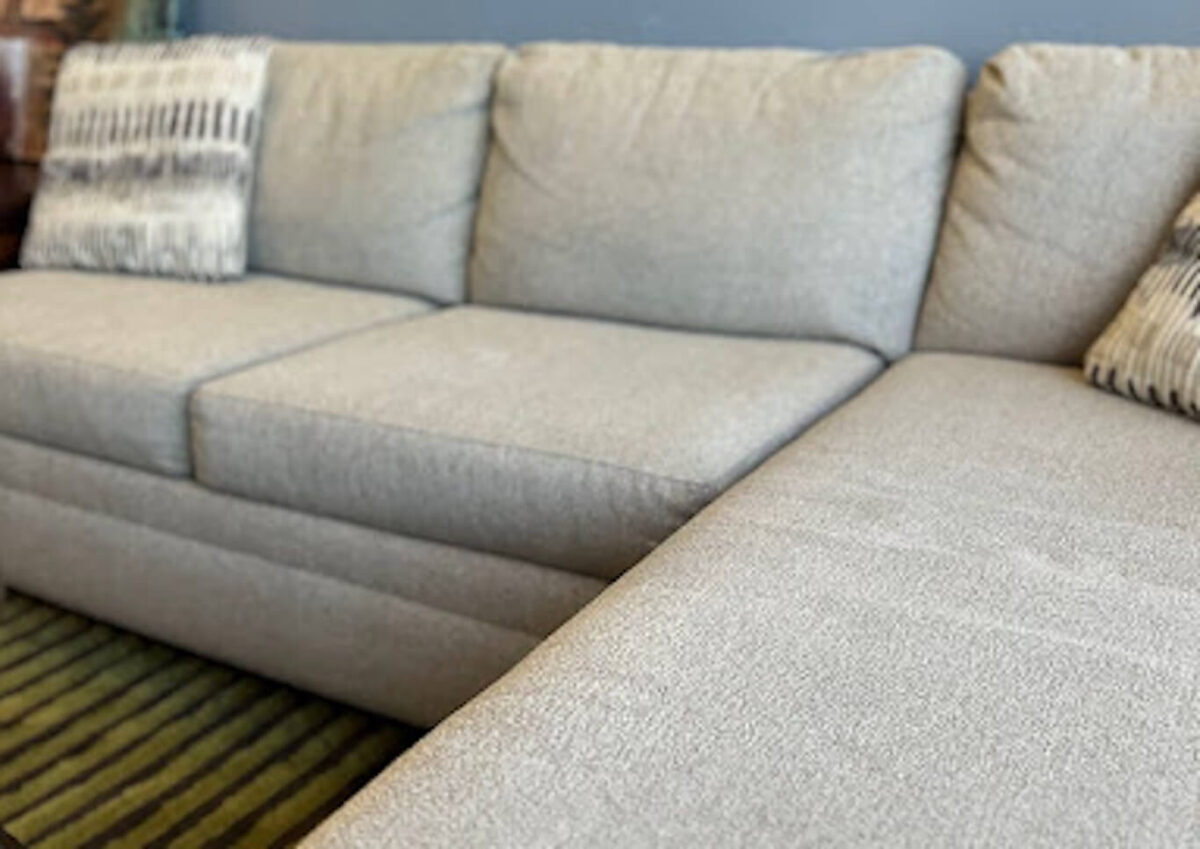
[(373, 650), (403, 627)]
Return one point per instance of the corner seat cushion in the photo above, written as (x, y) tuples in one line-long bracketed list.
[(104, 364), (963, 609), (566, 442)]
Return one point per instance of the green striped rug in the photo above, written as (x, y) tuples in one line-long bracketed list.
[(109, 739)]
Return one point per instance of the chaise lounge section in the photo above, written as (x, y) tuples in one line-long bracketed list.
[(963, 608)]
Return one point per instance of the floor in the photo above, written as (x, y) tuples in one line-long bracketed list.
[(109, 739)]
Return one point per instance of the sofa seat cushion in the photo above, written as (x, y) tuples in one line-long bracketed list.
[(963, 609), (566, 442), (104, 364)]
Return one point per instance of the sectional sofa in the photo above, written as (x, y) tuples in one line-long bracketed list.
[(743, 354)]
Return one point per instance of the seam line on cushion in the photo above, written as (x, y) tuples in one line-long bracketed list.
[(313, 575), (303, 347), (699, 487)]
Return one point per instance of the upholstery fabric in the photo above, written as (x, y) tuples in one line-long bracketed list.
[(565, 442), (497, 590), (346, 642), (151, 158), (1151, 351), (104, 364), (371, 160), (962, 610), (747, 191), (1076, 160)]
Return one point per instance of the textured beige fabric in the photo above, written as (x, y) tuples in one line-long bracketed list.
[(370, 649), (749, 191), (104, 364), (962, 610), (371, 159), (1076, 159), (500, 591), (1151, 351), (565, 442)]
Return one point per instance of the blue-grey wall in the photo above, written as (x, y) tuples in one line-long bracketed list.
[(973, 28)]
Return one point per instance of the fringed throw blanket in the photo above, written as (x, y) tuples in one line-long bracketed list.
[(151, 159)]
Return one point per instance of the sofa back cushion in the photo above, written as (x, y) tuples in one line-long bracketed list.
[(747, 191), (370, 164), (1076, 160)]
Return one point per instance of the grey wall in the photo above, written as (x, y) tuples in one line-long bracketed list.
[(973, 28)]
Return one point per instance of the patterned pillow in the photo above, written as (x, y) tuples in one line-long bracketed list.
[(151, 159), (1151, 351)]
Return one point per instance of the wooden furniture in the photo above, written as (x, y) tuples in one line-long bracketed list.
[(17, 182), (36, 34)]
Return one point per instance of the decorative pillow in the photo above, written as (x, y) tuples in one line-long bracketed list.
[(1151, 351), (151, 159)]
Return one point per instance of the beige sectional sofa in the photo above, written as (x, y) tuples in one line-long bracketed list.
[(475, 379)]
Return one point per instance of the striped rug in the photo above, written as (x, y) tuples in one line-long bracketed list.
[(109, 739)]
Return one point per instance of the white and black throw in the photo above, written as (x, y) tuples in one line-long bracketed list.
[(151, 159), (1151, 350)]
